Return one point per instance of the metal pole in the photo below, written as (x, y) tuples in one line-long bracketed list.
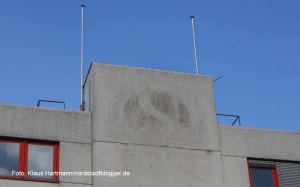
[(81, 57), (195, 46)]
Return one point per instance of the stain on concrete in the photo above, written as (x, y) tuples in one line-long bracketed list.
[(170, 105), (136, 114), (162, 101), (183, 114)]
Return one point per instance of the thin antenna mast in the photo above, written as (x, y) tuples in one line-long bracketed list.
[(195, 46), (81, 57)]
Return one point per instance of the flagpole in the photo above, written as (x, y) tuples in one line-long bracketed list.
[(81, 57), (195, 46)]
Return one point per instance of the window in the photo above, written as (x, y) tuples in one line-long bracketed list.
[(263, 173), (29, 160)]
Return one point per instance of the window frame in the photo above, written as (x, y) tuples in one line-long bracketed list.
[(23, 158), (263, 166)]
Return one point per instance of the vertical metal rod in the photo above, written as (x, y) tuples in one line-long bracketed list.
[(195, 46), (81, 57)]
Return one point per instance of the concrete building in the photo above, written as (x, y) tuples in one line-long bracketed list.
[(157, 128)]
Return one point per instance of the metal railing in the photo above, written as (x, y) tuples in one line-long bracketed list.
[(237, 118), (49, 101)]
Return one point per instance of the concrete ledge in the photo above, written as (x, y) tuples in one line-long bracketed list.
[(235, 171), (156, 166), (45, 124), (151, 107), (259, 143)]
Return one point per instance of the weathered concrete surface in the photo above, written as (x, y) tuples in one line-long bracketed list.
[(75, 157), (45, 124), (156, 166), (151, 107), (259, 143), (235, 171), (19, 183)]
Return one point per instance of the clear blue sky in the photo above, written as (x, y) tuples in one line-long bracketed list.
[(253, 44)]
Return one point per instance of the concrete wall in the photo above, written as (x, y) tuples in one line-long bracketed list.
[(160, 126), (75, 157), (149, 107), (71, 128), (156, 166), (45, 124), (259, 143), (235, 171)]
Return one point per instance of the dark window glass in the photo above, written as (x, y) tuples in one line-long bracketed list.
[(40, 161), (262, 177), (9, 156)]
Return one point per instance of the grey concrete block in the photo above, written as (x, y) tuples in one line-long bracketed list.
[(259, 143), (45, 124), (152, 107), (156, 166), (75, 157), (235, 171)]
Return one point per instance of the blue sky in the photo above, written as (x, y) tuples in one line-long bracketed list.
[(253, 44)]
